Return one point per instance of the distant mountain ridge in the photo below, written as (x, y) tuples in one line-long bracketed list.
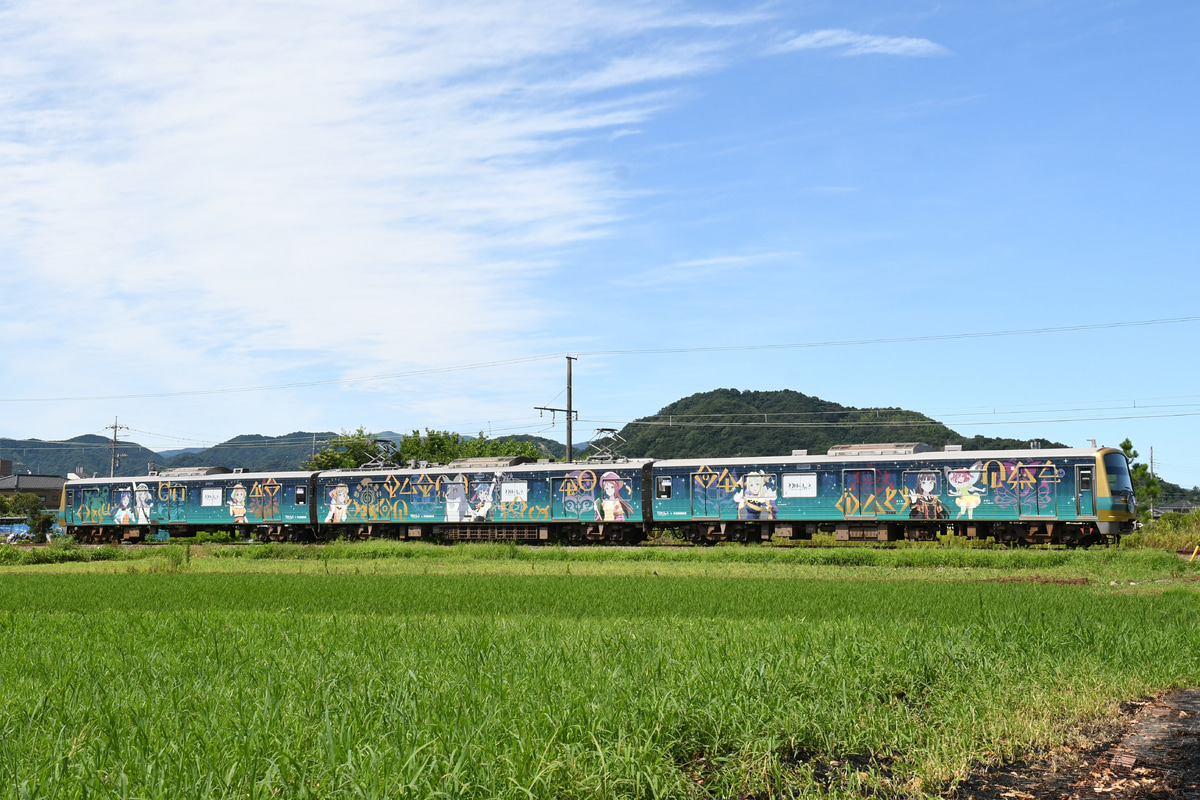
[(718, 423), (90, 454)]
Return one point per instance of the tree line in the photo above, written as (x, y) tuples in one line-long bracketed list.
[(30, 507), (351, 450)]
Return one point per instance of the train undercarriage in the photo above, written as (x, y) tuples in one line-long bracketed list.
[(703, 532)]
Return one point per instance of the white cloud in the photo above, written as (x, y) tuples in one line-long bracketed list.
[(702, 269), (857, 44), (242, 191)]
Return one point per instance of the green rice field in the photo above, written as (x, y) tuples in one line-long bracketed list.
[(395, 670)]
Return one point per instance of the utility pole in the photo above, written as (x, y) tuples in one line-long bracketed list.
[(570, 410), (571, 453), (1152, 478), (112, 469)]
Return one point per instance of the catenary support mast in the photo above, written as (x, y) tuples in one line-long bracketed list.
[(569, 410), (112, 466)]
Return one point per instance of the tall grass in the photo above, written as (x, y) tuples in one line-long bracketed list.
[(1095, 560), (180, 684), (1170, 532)]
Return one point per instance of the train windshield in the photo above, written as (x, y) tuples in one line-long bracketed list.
[(1117, 469)]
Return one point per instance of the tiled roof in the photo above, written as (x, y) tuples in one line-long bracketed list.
[(31, 483)]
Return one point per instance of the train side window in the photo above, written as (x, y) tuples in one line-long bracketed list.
[(452, 490), (70, 498), (662, 488), (1085, 480), (301, 495)]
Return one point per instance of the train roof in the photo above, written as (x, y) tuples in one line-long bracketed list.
[(800, 461), (228, 476), (454, 469), (1030, 455)]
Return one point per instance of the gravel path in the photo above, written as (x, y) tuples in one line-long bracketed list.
[(1157, 756)]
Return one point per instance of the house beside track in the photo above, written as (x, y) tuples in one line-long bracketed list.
[(47, 488)]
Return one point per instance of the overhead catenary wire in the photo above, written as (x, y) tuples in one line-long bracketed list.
[(615, 352), (293, 385), (675, 421), (897, 339), (875, 412), (976, 416)]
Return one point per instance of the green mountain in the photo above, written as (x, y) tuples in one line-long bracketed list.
[(255, 453), (552, 449), (83, 454), (727, 422)]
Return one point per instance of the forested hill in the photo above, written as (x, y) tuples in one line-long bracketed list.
[(728, 422), (83, 454), (91, 454)]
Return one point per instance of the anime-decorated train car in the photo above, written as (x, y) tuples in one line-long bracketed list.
[(488, 499), (884, 492), (265, 505)]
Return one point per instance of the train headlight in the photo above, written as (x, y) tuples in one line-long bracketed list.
[(1131, 503)]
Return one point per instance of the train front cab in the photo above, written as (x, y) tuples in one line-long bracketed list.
[(1115, 504)]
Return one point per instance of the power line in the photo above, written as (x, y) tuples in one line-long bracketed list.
[(876, 412), (892, 423), (650, 351), (276, 386), (895, 340), (679, 421)]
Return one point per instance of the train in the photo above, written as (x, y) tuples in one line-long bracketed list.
[(862, 492)]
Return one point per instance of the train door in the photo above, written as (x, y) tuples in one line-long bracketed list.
[(1085, 496), (160, 512), (858, 492), (1036, 497), (451, 497), (569, 500), (369, 506), (266, 499), (177, 504), (160, 508), (706, 503), (273, 501)]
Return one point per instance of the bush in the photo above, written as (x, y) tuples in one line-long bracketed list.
[(64, 542), (1169, 532), (65, 552)]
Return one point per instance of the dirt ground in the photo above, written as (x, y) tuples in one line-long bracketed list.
[(1154, 754)]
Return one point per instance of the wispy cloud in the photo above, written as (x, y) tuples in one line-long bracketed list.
[(250, 190), (849, 43), (700, 269)]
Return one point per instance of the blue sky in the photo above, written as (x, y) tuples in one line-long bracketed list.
[(216, 196)]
